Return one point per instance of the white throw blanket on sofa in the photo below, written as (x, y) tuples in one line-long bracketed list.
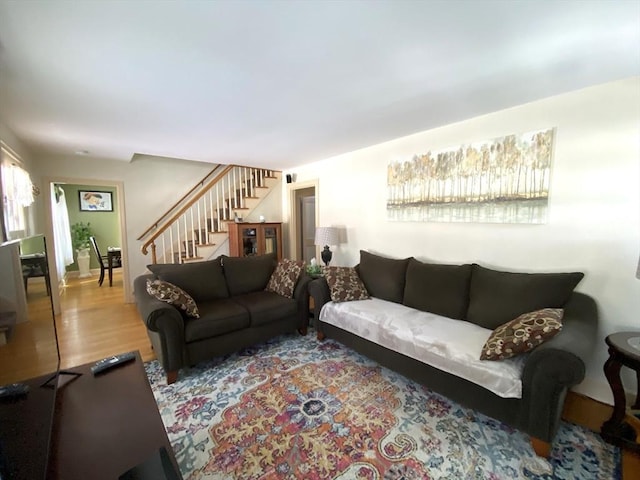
[(447, 344)]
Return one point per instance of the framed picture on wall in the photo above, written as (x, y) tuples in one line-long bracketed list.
[(95, 201)]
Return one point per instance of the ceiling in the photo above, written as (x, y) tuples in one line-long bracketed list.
[(281, 83)]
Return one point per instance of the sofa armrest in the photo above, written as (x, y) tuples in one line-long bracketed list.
[(319, 290), (555, 366), (165, 321)]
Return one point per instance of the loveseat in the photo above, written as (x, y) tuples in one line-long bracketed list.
[(436, 306), (230, 298)]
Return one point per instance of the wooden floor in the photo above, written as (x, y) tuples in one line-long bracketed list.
[(95, 323)]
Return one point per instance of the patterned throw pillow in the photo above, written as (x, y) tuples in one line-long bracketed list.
[(522, 334), (284, 277), (173, 295), (344, 284)]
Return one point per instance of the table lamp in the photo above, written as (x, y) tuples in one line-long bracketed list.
[(326, 236)]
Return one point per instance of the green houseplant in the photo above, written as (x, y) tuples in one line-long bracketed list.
[(80, 233)]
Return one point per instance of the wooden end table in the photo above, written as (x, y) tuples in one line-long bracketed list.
[(624, 349)]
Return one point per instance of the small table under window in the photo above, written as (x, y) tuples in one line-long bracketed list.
[(624, 349)]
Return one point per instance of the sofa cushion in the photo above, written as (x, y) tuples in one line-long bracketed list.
[(383, 277), (173, 295), (267, 307), (284, 278), (247, 274), (450, 345), (202, 280), (497, 297), (344, 284), (439, 289), (522, 334), (217, 317)]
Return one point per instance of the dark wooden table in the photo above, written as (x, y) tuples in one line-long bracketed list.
[(113, 254), (35, 265), (624, 349), (105, 425)]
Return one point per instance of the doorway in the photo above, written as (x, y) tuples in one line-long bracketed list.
[(303, 215), (306, 216), (118, 210)]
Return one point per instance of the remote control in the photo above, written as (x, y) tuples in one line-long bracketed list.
[(13, 390), (110, 362)]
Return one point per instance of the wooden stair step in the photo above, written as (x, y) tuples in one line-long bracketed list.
[(192, 259), (241, 192)]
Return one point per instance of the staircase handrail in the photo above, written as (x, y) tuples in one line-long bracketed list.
[(185, 207), (182, 199)]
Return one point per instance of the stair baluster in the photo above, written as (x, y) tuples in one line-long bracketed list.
[(193, 225)]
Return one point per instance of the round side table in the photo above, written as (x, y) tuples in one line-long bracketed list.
[(624, 349)]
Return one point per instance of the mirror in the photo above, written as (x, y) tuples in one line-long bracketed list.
[(28, 355), (28, 345)]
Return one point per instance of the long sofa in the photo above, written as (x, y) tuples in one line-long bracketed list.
[(229, 305), (430, 323)]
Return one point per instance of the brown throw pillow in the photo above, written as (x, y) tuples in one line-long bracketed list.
[(344, 284), (284, 278), (522, 334), (173, 295)]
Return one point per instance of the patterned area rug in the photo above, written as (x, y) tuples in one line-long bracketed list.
[(295, 408)]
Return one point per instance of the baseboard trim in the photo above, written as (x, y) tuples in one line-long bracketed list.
[(76, 273)]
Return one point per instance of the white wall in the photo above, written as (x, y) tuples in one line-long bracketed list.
[(8, 137), (594, 204)]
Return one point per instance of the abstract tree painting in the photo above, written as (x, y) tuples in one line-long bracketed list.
[(503, 180)]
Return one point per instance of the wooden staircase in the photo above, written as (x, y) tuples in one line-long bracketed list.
[(196, 226)]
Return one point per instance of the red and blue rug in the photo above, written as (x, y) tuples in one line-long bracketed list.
[(294, 408)]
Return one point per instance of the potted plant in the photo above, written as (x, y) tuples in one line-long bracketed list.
[(80, 233)]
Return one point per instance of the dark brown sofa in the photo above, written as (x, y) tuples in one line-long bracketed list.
[(235, 310), (488, 298)]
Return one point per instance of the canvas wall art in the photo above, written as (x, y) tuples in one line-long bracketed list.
[(95, 201), (502, 180)]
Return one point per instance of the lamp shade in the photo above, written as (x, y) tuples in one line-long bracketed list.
[(327, 236)]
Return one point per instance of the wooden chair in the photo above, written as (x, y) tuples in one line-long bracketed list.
[(35, 265), (113, 259)]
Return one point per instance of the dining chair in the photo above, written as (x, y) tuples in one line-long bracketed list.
[(113, 259)]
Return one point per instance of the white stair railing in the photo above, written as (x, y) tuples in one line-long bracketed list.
[(206, 213)]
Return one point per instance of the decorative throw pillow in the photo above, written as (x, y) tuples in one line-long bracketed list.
[(344, 284), (522, 334), (173, 295), (284, 278)]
